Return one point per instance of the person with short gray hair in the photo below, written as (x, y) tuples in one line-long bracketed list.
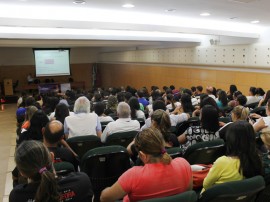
[(82, 122), (122, 124)]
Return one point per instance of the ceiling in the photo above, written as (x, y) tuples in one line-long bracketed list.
[(105, 23)]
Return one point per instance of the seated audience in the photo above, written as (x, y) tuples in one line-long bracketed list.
[(186, 103), (122, 124), (207, 131), (239, 113), (241, 100), (222, 100), (28, 116), (199, 91), (136, 113), (265, 98), (60, 113), (34, 161), (111, 106), (252, 96), (242, 160), (52, 136), (231, 91), (209, 92), (233, 102), (99, 110), (82, 122), (159, 177), (34, 132), (141, 98), (171, 102), (260, 93)]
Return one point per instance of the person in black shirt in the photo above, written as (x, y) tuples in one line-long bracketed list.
[(53, 135), (34, 161)]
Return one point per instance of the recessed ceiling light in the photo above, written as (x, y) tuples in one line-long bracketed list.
[(254, 21), (205, 14), (79, 2), (170, 10), (128, 6)]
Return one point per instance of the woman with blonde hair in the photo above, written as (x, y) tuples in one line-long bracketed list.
[(159, 177)]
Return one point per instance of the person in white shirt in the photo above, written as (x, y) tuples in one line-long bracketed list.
[(122, 124), (99, 110), (252, 96), (82, 122)]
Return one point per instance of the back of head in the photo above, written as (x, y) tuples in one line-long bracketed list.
[(134, 106), (240, 113), (209, 118), (241, 99), (222, 97), (252, 91), (187, 91), (260, 92), (236, 93), (163, 123), (30, 112), (150, 141), (30, 101), (159, 104), (199, 88), (140, 93), (186, 103), (112, 101), (208, 101), (99, 108), (233, 88), (121, 96), (38, 120), (240, 142), (82, 105), (61, 112), (34, 161), (53, 132), (123, 110)]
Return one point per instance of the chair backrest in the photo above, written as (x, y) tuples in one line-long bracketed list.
[(259, 110), (104, 165), (224, 119), (181, 128), (252, 105), (205, 152), (243, 190), (141, 121), (81, 144), (175, 152), (188, 196), (63, 168), (121, 138), (104, 124)]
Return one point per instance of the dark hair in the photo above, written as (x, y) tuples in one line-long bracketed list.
[(99, 108), (209, 118), (236, 93), (55, 135), (193, 88), (97, 97), (37, 122), (150, 141), (29, 101), (252, 90), (32, 156), (170, 99), (233, 88), (186, 103), (187, 91), (260, 91), (61, 112), (128, 95), (159, 104), (240, 142), (134, 106), (222, 97), (199, 88), (214, 92), (155, 95), (172, 87), (267, 97), (140, 93), (209, 101), (163, 123), (241, 99), (121, 96)]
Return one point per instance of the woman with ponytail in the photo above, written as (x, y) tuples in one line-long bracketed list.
[(34, 161), (159, 177)]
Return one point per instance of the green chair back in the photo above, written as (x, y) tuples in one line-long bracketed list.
[(188, 196), (224, 119), (175, 152), (63, 168), (243, 191), (121, 138), (81, 144), (205, 152)]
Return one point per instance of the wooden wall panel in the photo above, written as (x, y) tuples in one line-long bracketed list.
[(145, 75)]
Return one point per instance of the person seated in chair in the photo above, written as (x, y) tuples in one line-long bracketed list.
[(252, 98), (122, 124), (82, 122), (159, 177), (53, 134), (34, 161)]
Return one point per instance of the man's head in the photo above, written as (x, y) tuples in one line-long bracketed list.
[(53, 132), (199, 89), (123, 110), (82, 105)]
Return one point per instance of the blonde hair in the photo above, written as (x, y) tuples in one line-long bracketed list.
[(150, 141), (240, 113)]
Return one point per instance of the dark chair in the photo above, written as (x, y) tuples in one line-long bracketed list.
[(243, 190), (194, 121), (188, 196), (82, 144), (141, 121), (104, 124), (205, 152), (174, 152), (63, 168), (104, 165), (224, 119), (259, 110), (181, 128), (121, 138), (226, 110), (252, 105)]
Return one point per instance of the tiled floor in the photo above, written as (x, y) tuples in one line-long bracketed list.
[(7, 148)]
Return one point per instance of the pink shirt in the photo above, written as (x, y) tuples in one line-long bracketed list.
[(156, 180)]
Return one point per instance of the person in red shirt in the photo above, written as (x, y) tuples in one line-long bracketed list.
[(159, 177)]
